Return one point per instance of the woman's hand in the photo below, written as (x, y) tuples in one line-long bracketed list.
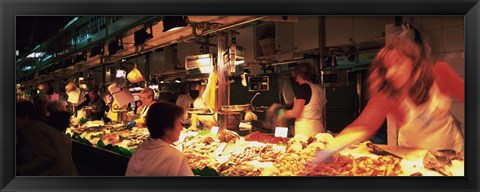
[(325, 156)]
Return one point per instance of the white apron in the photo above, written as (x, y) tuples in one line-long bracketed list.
[(310, 121), (145, 110), (431, 125)]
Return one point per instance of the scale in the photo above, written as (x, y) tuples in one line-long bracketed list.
[(195, 112)]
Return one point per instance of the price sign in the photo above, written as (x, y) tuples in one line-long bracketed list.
[(281, 132), (214, 130)]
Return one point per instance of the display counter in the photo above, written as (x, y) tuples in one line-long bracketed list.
[(257, 154)]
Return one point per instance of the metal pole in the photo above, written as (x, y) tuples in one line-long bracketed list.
[(222, 69)]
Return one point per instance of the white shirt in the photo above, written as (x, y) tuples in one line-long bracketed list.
[(145, 109), (155, 157), (310, 121), (184, 101)]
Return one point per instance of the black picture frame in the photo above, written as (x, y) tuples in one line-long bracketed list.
[(9, 9)]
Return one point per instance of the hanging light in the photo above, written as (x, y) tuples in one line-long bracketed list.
[(141, 36), (79, 57), (171, 23), (114, 46), (97, 50)]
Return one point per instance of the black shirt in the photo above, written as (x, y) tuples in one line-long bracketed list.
[(99, 109), (304, 91)]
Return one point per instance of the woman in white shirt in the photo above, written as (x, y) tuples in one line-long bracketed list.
[(156, 156)]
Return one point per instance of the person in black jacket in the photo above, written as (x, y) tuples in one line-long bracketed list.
[(41, 150), (96, 107)]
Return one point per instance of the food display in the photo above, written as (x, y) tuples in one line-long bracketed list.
[(258, 154), (347, 165)]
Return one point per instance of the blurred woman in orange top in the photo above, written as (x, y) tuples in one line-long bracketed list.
[(415, 93)]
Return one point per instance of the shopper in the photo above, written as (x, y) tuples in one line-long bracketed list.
[(156, 156), (41, 102), (415, 92), (41, 150)]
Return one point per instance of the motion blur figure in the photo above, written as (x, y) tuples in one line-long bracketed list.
[(308, 105), (41, 102), (184, 100), (414, 93)]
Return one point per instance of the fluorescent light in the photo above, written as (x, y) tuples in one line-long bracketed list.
[(35, 54), (47, 57), (17, 52), (177, 81), (69, 23), (206, 69)]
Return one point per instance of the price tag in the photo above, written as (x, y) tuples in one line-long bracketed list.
[(281, 132), (214, 130)]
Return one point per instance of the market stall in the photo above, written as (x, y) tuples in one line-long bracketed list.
[(223, 152)]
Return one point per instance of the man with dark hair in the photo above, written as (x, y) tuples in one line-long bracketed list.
[(41, 150), (156, 156), (96, 107)]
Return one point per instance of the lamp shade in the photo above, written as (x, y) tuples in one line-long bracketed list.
[(171, 23)]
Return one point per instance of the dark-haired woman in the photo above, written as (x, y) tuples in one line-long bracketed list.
[(156, 156), (414, 94), (309, 103)]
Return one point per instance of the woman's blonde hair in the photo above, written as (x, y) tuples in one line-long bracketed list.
[(421, 76), (148, 92)]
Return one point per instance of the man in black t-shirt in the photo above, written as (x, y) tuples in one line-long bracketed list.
[(309, 104)]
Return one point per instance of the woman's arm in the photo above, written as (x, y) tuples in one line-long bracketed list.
[(449, 81), (367, 124)]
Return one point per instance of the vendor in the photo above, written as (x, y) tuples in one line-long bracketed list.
[(309, 104), (96, 107), (156, 156), (413, 93), (147, 99), (184, 100)]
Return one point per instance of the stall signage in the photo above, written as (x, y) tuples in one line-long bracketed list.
[(214, 130), (281, 131)]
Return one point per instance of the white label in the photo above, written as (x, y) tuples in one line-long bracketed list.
[(214, 130), (281, 131)]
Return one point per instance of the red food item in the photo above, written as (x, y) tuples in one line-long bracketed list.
[(264, 138)]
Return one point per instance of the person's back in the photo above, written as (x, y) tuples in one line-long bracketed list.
[(47, 152), (41, 149), (157, 158)]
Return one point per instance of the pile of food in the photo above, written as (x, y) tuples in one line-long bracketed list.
[(112, 137), (257, 154), (347, 165)]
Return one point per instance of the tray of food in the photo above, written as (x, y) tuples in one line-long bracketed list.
[(235, 108)]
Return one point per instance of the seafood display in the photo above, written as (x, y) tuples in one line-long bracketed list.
[(347, 165), (259, 154)]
